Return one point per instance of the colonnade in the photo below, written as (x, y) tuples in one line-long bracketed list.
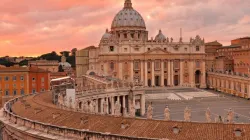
[(231, 84), (109, 104)]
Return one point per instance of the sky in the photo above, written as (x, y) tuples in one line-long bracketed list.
[(35, 27)]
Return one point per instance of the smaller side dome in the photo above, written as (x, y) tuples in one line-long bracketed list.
[(107, 35), (160, 36)]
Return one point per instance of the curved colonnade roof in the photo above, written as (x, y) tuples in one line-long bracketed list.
[(136, 127)]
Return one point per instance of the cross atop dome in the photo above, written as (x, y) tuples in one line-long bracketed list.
[(128, 4)]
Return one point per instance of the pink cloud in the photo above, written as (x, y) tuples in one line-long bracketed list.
[(35, 27)]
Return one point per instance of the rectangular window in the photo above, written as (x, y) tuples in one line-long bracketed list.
[(14, 78), (21, 78), (6, 78), (6, 93), (125, 49), (111, 48), (136, 65), (165, 65), (149, 63), (186, 49), (137, 49), (176, 64), (42, 79), (157, 65), (33, 79), (33, 91), (22, 91), (197, 48), (197, 64), (125, 36), (148, 49), (14, 92)]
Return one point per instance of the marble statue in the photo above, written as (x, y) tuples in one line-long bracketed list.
[(117, 108), (230, 116), (167, 113), (208, 115), (187, 114), (150, 111), (105, 107), (91, 108)]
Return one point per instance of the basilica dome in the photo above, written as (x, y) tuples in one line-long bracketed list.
[(160, 36), (128, 18), (107, 35)]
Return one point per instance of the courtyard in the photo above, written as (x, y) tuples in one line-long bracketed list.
[(177, 99)]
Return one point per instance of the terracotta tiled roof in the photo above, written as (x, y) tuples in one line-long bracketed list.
[(136, 127), (214, 43)]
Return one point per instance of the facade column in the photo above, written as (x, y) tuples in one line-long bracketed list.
[(146, 73), (143, 104), (132, 71), (181, 73), (203, 76), (162, 73), (142, 71), (120, 69), (169, 79), (153, 73), (191, 73), (172, 73)]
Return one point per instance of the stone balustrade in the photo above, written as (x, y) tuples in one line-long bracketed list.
[(49, 129)]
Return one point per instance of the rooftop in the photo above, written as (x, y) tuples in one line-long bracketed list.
[(135, 127), (214, 43)]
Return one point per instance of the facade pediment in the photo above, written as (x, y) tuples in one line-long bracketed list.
[(157, 51)]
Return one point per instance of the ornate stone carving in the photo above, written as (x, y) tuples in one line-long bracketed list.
[(197, 41)]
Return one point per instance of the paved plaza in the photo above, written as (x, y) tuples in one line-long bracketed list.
[(198, 100)]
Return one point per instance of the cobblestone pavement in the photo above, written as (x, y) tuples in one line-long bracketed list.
[(218, 104)]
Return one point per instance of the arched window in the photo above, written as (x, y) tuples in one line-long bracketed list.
[(197, 48)]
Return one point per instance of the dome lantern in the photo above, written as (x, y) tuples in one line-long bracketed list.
[(128, 4)]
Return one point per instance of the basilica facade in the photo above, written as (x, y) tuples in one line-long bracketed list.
[(125, 52)]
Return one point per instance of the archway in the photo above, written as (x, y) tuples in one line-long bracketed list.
[(176, 80), (157, 81), (80, 105), (149, 82), (165, 82), (197, 78)]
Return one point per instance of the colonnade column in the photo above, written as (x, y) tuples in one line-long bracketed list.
[(169, 79), (102, 109), (120, 70), (153, 73), (162, 73), (132, 71), (181, 73), (112, 105), (142, 104), (146, 73), (123, 102), (141, 70)]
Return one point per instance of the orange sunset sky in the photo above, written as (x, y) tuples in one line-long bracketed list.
[(34, 27)]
